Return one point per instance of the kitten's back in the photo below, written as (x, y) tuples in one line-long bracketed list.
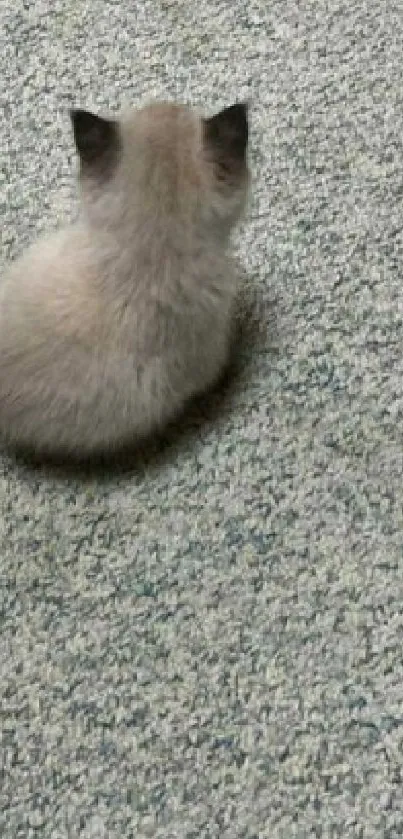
[(107, 328)]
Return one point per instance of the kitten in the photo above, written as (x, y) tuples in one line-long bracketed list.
[(110, 326)]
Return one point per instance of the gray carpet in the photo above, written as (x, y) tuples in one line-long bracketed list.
[(210, 642)]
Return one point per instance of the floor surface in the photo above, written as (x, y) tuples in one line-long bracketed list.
[(210, 643)]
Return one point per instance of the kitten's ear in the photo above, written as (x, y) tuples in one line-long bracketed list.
[(226, 133), (96, 138)]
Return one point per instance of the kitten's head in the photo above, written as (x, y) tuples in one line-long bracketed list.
[(166, 166)]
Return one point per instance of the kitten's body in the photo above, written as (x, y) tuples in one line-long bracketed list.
[(107, 328)]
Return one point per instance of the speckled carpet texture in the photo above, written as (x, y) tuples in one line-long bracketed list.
[(207, 642)]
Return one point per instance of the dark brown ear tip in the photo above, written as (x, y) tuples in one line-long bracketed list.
[(239, 109), (75, 113), (227, 132), (237, 117), (242, 109), (83, 119), (96, 138)]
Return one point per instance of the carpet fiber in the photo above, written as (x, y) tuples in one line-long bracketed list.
[(209, 643)]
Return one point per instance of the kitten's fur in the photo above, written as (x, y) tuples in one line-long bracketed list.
[(108, 327)]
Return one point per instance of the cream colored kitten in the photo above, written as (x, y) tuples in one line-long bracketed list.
[(109, 326)]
